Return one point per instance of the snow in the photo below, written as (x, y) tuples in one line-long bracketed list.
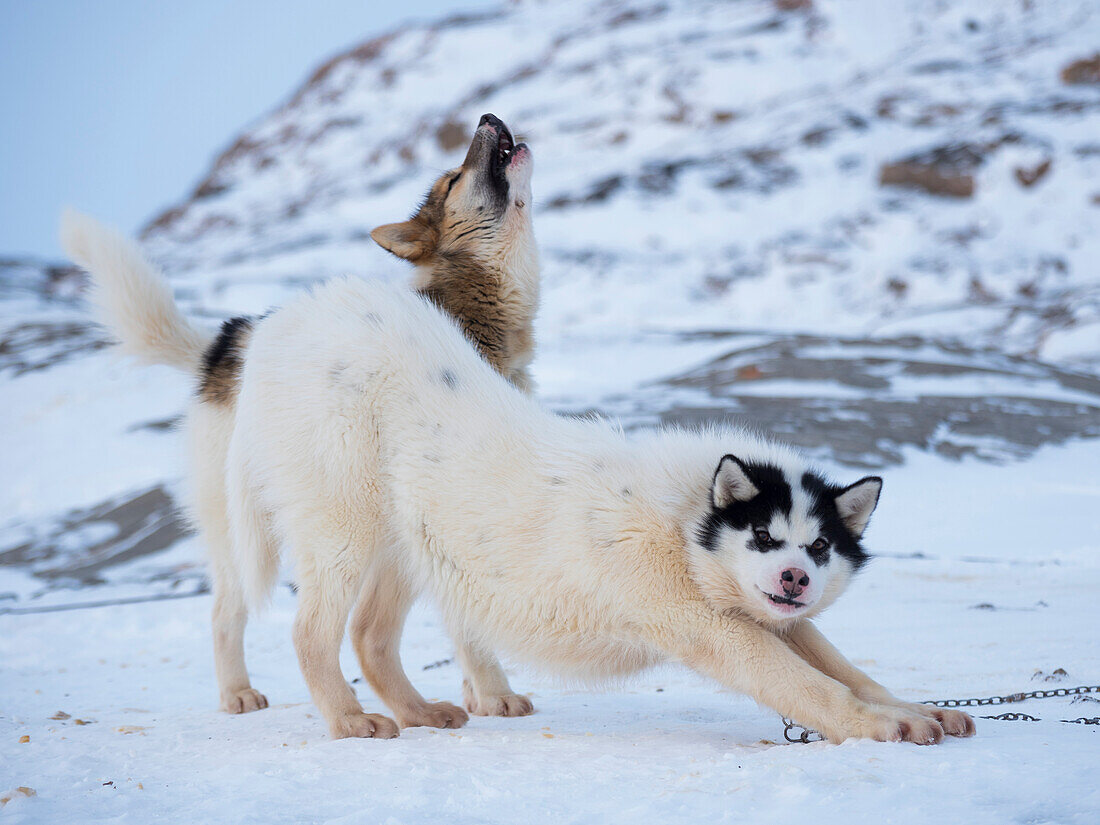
[(949, 346), (667, 746)]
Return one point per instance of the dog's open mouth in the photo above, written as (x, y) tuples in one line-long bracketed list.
[(784, 600), (494, 155), (505, 146)]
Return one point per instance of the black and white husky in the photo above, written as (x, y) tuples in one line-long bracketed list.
[(369, 438)]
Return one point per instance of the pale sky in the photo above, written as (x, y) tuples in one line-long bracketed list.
[(117, 107)]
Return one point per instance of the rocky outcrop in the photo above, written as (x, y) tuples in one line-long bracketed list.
[(1082, 72)]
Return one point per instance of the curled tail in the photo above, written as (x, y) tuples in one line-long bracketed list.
[(131, 298)]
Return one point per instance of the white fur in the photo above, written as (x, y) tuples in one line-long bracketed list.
[(370, 439), (134, 302)]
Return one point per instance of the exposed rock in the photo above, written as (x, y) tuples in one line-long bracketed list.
[(872, 426), (599, 192), (32, 346), (363, 53), (86, 542), (1029, 176), (48, 281), (1082, 72), (945, 170), (451, 135)]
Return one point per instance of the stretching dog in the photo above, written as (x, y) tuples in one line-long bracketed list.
[(370, 438), (473, 244)]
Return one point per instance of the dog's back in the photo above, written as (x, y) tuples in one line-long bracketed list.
[(366, 419)]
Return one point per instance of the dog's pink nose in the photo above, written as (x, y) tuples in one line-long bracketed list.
[(794, 581)]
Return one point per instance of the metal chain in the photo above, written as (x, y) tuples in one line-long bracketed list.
[(1012, 697), (1014, 717), (809, 735)]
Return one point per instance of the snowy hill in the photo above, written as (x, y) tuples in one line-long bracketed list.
[(708, 165)]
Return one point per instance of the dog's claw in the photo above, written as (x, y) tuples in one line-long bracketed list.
[(955, 722), (364, 726), (244, 701), (891, 724), (508, 704), (435, 715)]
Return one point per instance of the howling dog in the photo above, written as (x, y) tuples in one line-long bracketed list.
[(474, 249), (369, 438), (473, 246)]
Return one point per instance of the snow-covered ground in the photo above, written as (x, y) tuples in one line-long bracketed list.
[(998, 596), (716, 245)]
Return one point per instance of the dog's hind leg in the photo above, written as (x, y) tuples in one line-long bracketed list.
[(208, 432), (229, 618), (485, 688), (325, 595), (376, 635)]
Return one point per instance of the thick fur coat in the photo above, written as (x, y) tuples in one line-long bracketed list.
[(371, 440)]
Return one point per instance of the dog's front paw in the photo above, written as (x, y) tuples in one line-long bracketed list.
[(505, 704), (884, 723), (954, 722), (434, 715), (243, 701), (897, 725), (363, 726)]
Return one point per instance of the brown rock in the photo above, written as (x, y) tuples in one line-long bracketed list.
[(945, 170), (1084, 71), (897, 287), (451, 135), (1028, 177), (928, 178)]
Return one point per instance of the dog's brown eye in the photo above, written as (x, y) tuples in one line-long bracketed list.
[(819, 546), (763, 536)]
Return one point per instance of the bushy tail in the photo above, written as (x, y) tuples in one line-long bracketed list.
[(130, 297)]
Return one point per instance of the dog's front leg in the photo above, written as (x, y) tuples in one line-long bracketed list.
[(749, 658), (808, 642), (485, 688)]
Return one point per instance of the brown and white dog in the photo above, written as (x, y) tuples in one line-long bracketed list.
[(473, 245), (474, 248)]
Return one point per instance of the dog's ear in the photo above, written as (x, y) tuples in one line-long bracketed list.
[(856, 503), (409, 240), (731, 483)]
